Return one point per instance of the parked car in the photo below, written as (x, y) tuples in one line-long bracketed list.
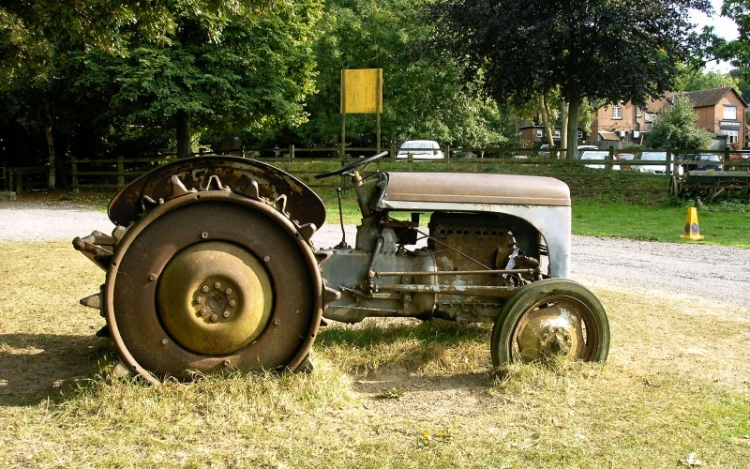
[(625, 157), (584, 148), (597, 155), (653, 156), (704, 162), (421, 150)]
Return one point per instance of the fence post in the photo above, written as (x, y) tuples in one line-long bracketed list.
[(74, 173), (410, 160), (291, 151), (120, 173), (668, 169)]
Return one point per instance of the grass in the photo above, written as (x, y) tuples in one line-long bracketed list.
[(385, 393), (725, 224)]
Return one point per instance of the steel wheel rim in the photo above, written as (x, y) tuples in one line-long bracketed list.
[(214, 298), (557, 326)]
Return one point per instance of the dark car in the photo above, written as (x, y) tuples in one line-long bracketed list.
[(704, 162)]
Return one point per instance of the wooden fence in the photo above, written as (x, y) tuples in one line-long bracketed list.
[(115, 173)]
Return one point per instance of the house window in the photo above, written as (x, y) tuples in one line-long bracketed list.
[(730, 112), (557, 134), (638, 111), (580, 134), (733, 136), (539, 133), (616, 112)]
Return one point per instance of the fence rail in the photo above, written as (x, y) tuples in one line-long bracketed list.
[(115, 173)]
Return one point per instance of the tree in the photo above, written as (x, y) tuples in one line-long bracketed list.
[(676, 128), (37, 38), (424, 96), (614, 50), (699, 79), (251, 74)]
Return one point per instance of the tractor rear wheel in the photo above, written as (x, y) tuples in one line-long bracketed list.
[(212, 281)]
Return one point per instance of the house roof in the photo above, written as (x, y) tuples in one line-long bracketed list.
[(710, 97), (656, 105)]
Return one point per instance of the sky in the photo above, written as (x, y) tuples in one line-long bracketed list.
[(722, 26)]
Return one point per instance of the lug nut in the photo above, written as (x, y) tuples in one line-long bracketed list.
[(152, 277), (214, 317), (204, 235), (204, 311), (217, 285), (164, 341), (266, 259), (204, 289), (227, 363), (232, 302), (226, 314), (228, 291), (276, 322), (199, 300)]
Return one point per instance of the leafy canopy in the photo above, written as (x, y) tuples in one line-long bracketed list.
[(424, 96), (611, 50), (676, 128)]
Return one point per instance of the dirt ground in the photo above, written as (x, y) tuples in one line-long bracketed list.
[(672, 308)]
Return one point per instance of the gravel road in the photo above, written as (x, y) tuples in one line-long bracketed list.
[(712, 273)]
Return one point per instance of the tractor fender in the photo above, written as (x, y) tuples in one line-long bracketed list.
[(160, 184)]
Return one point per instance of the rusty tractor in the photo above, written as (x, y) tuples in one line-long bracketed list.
[(211, 265)]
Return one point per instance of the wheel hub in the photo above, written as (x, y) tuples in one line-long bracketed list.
[(214, 298), (556, 330)]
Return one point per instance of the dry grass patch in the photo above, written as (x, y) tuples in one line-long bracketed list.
[(386, 393)]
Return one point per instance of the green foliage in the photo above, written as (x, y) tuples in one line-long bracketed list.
[(251, 75), (676, 128), (699, 79), (616, 51), (424, 97)]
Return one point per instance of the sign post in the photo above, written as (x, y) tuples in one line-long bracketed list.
[(361, 93)]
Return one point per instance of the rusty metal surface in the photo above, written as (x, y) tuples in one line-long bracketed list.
[(143, 336), (555, 329), (494, 189), (237, 173)]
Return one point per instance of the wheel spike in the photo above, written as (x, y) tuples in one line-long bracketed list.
[(178, 188), (146, 200), (252, 190), (92, 301), (307, 230), (214, 183), (280, 203)]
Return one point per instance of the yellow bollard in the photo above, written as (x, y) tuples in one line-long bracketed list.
[(692, 228)]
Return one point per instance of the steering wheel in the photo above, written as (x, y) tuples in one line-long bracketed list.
[(351, 166)]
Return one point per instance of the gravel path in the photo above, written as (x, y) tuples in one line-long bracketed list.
[(712, 273)]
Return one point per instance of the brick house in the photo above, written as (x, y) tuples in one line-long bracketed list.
[(720, 111), (536, 135)]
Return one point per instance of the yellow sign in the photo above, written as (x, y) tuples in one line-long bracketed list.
[(362, 91)]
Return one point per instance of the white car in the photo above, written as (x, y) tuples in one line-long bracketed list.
[(597, 155), (655, 169), (421, 150)]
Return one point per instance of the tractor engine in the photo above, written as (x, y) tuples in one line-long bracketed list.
[(446, 272)]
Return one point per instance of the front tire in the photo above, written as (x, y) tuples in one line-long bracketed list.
[(548, 318)]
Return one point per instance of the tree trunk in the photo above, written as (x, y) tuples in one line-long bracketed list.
[(52, 157), (184, 148), (572, 143), (563, 123), (546, 121)]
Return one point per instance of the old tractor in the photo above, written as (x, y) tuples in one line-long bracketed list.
[(211, 265)]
